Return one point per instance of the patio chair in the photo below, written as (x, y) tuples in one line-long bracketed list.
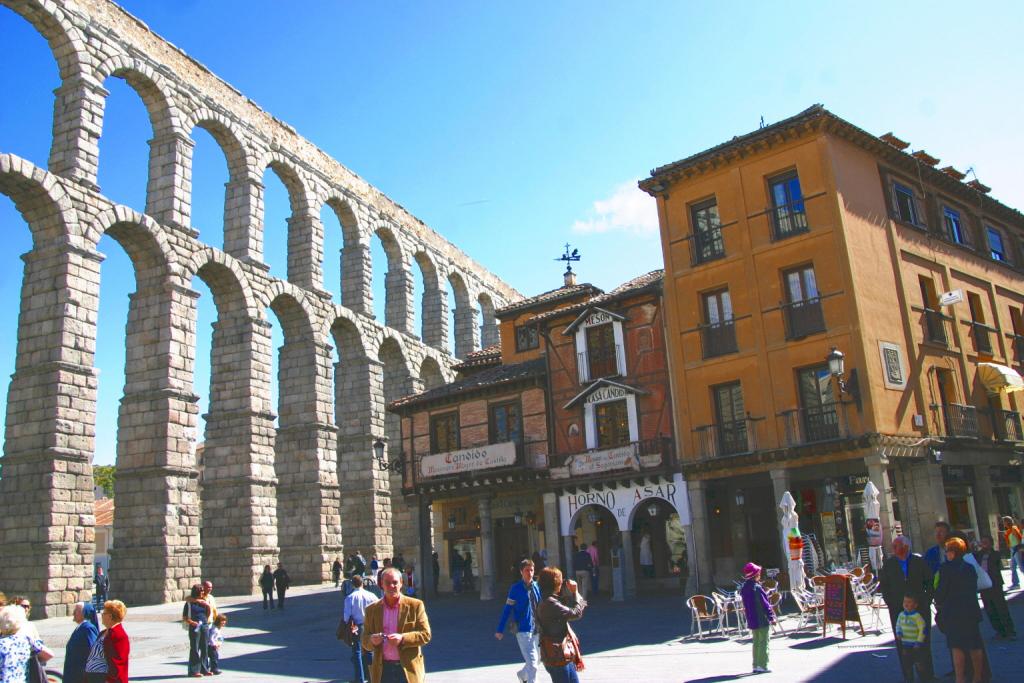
[(809, 608), (775, 600), (703, 610), (729, 604), (770, 585)]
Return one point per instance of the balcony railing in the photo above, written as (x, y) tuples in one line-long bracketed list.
[(804, 318), (960, 420), (646, 455), (707, 245), (727, 438), (1018, 348), (813, 424), (935, 326), (718, 339), (1007, 425), (788, 220), (597, 363), (982, 338)]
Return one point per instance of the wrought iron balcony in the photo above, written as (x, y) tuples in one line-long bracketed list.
[(788, 220), (707, 245), (813, 424), (804, 318), (718, 339), (960, 420), (727, 438), (935, 326), (982, 338), (597, 363), (1007, 425)]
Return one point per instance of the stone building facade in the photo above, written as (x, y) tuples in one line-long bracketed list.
[(293, 491)]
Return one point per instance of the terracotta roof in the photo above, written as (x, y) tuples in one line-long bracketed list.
[(887, 146), (651, 280), (564, 292), (488, 355), (501, 374), (103, 509)]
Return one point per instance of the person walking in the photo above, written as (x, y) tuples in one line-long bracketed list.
[(583, 566), (1013, 542), (336, 572), (196, 614), (905, 573), (351, 628), (435, 564), (395, 630), (267, 586), (467, 572), (557, 608), (116, 645), (595, 568), (936, 555), (282, 582), (210, 619), (102, 583), (523, 600), (991, 562), (16, 649), (760, 615), (215, 640), (76, 652), (456, 572), (958, 614), (646, 555)]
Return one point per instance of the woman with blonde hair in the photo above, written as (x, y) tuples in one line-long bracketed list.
[(16, 649), (958, 615), (108, 660)]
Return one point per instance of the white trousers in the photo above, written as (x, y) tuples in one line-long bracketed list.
[(529, 645)]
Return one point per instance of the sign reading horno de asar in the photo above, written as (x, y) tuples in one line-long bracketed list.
[(469, 459)]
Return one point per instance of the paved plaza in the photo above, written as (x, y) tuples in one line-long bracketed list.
[(645, 641)]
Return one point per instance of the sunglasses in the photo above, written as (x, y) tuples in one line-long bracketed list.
[(27, 605)]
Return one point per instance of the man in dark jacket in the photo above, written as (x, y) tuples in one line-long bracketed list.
[(906, 573), (282, 582), (583, 565), (991, 561)]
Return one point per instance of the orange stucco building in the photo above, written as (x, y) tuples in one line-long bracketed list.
[(811, 235)]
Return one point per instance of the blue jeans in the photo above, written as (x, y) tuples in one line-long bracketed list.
[(360, 658), (214, 658), (563, 674), (198, 660), (1014, 565), (393, 674)]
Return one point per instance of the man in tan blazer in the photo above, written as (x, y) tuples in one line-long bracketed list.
[(394, 630)]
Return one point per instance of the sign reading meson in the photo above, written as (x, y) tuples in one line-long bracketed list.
[(468, 459)]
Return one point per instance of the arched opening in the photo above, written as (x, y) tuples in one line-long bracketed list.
[(217, 169), (391, 288), (334, 243), (430, 374), (123, 150), (463, 321), (278, 209), (398, 382), (26, 128), (433, 307), (488, 323), (594, 525), (662, 556)]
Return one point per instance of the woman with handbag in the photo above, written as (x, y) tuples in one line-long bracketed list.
[(559, 646), (18, 650), (958, 615)]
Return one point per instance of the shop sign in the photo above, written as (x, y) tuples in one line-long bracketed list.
[(893, 373), (622, 501), (606, 393), (598, 317), (468, 460), (604, 461)]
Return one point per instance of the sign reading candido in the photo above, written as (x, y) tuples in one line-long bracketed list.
[(468, 459)]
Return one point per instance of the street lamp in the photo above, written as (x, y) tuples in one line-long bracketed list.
[(395, 465), (517, 517), (740, 499), (451, 521), (652, 510), (531, 518), (837, 368)]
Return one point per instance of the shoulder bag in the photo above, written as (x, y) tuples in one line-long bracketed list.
[(36, 668)]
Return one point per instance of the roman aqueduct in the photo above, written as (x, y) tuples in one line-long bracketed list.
[(296, 489)]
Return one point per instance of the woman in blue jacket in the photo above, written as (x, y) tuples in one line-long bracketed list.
[(80, 642)]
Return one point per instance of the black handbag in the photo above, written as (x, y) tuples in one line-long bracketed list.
[(36, 670)]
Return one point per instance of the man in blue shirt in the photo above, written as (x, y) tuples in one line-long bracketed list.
[(936, 555), (523, 599)]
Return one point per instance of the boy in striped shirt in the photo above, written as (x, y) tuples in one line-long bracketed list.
[(910, 632)]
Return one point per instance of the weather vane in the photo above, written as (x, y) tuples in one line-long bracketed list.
[(569, 258)]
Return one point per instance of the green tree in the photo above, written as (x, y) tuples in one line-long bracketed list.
[(104, 476)]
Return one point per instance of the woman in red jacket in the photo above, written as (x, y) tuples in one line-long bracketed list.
[(115, 641)]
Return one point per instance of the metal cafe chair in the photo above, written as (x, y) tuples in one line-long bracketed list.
[(730, 604), (703, 610)]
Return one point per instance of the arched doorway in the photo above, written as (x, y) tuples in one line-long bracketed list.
[(594, 524), (662, 558)]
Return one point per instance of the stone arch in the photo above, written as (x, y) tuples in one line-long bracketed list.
[(464, 316), (65, 40), (305, 234), (430, 373), (40, 199), (434, 307), (241, 170), (398, 286), (152, 88), (354, 260), (226, 279), (141, 237), (488, 323), (398, 379)]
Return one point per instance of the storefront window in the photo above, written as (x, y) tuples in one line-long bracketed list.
[(506, 423), (444, 433), (612, 424)]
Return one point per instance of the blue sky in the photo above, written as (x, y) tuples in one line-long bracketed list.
[(512, 129)]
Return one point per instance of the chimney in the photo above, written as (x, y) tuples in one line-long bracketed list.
[(570, 277)]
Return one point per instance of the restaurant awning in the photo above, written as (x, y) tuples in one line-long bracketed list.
[(999, 378)]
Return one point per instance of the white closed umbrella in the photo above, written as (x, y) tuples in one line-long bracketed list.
[(873, 522), (792, 542)]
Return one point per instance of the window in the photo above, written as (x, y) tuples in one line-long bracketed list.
[(731, 418), (817, 403), (612, 418), (444, 433), (906, 204), (804, 315), (935, 327), (787, 206), (718, 333), (1017, 319), (982, 342), (526, 337), (954, 226), (707, 232), (506, 423), (996, 248), (601, 356)]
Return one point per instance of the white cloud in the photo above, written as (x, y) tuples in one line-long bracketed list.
[(628, 210)]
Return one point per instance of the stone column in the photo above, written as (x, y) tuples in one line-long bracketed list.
[(628, 568), (489, 330), (487, 576), (46, 498), (305, 249), (435, 314), (239, 487), (551, 529), (156, 554), (878, 473), (780, 484), (169, 190), (704, 566), (466, 332), (398, 290), (357, 277), (243, 219), (425, 564), (77, 125), (928, 502), (985, 503)]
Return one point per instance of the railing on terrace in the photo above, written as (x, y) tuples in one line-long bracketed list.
[(1007, 425), (825, 422), (959, 420), (727, 438), (707, 245), (718, 339), (935, 326), (804, 318), (597, 363), (788, 220), (982, 337)]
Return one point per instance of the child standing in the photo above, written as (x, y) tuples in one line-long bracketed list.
[(216, 640), (910, 632), (759, 614)]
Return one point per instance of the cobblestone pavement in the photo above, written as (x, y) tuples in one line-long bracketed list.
[(645, 640)]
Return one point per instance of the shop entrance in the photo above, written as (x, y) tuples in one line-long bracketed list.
[(595, 524), (463, 564), (511, 545), (962, 517), (659, 544)]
